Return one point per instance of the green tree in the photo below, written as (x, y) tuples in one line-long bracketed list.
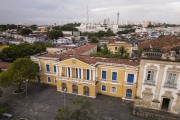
[(122, 52), (94, 39), (23, 50), (54, 34), (110, 33), (20, 70), (34, 27), (126, 31), (105, 50), (101, 34), (25, 31), (79, 109)]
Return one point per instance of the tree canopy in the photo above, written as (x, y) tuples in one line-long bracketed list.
[(25, 31), (54, 34), (34, 27), (106, 53), (20, 70), (126, 31), (94, 39), (79, 109), (23, 50)]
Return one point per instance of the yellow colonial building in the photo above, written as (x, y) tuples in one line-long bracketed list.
[(74, 71), (114, 46), (88, 76)]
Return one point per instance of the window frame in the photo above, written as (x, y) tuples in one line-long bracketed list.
[(48, 67), (102, 88), (150, 79), (115, 90), (55, 80), (131, 93), (48, 79), (55, 69), (112, 76), (175, 78), (128, 77), (103, 79)]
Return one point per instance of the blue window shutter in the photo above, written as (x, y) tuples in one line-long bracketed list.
[(87, 74), (76, 73), (54, 69), (114, 76), (103, 88), (80, 73), (130, 78), (47, 68), (103, 74)]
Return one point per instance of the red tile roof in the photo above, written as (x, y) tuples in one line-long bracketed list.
[(77, 53), (93, 60), (4, 65), (164, 43), (80, 50)]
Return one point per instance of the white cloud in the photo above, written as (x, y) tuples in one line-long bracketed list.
[(54, 11)]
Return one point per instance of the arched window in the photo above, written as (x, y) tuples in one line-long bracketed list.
[(55, 80), (48, 79), (113, 90), (64, 86), (86, 91), (75, 89), (103, 88), (129, 93), (116, 48)]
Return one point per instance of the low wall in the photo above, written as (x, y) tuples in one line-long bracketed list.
[(151, 114)]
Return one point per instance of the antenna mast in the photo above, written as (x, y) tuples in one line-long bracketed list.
[(87, 13), (118, 18)]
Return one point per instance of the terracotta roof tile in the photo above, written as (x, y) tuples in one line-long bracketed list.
[(82, 49), (162, 43), (93, 60)]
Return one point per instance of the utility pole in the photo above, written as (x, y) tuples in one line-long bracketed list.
[(26, 85), (64, 97)]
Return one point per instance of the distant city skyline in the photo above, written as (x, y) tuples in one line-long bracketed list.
[(65, 11)]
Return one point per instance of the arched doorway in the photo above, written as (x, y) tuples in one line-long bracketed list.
[(86, 91), (75, 89), (64, 86)]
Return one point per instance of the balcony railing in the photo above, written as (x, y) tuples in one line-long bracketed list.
[(114, 81), (172, 56), (149, 82), (75, 79), (170, 85), (152, 55), (64, 78), (129, 83)]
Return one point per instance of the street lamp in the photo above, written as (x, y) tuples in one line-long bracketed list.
[(26, 85), (64, 97)]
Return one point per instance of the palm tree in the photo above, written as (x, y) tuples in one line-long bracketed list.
[(122, 52)]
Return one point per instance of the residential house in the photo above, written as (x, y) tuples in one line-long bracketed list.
[(114, 46)]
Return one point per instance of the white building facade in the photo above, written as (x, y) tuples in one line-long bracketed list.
[(159, 85)]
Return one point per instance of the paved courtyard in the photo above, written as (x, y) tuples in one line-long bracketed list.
[(43, 102)]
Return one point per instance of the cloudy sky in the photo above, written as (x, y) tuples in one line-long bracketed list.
[(61, 11)]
